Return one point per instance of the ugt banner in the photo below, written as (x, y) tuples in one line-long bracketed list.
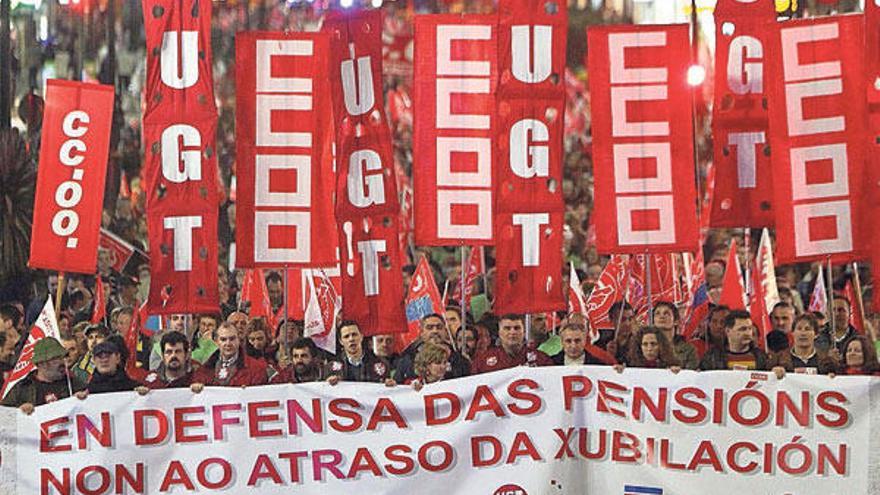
[(70, 179), (588, 430), (817, 113), (642, 139)]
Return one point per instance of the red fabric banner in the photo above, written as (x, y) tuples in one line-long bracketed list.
[(817, 113), (422, 299), (456, 72), (610, 288), (529, 209), (743, 181), (643, 153), (366, 189), (180, 163), (298, 287), (733, 294), (100, 309), (71, 175), (284, 215)]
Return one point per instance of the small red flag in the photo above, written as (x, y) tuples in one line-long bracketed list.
[(100, 301)]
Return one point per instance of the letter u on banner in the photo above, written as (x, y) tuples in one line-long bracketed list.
[(817, 113), (179, 131), (529, 208), (642, 139), (70, 179), (456, 68)]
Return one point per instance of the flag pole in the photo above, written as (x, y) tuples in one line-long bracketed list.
[(648, 285), (462, 314), (284, 334), (58, 292), (830, 309), (857, 288), (747, 243)]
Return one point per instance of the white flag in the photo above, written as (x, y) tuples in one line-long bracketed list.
[(768, 271), (320, 314), (819, 298), (45, 326)]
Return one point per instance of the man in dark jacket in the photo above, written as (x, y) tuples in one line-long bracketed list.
[(432, 329), (740, 352), (48, 383), (109, 375), (356, 364), (834, 341), (175, 371), (512, 350), (229, 366), (305, 365), (574, 350)]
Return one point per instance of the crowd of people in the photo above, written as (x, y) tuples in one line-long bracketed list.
[(240, 351)]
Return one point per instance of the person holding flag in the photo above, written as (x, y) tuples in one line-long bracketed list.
[(48, 382)]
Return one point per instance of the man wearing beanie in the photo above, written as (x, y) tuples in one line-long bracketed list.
[(109, 375), (48, 382)]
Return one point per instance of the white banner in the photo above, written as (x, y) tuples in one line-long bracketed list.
[(520, 431)]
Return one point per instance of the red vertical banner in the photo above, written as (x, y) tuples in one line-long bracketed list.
[(817, 113), (529, 208), (70, 179), (743, 195), (366, 189), (871, 193), (643, 152), (456, 69), (284, 215), (179, 130)]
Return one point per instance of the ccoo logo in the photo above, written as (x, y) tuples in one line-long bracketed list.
[(510, 489)]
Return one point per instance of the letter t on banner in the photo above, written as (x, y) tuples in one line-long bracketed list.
[(529, 207), (642, 139)]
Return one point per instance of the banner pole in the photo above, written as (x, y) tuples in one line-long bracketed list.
[(462, 314), (747, 243), (648, 285), (831, 299), (285, 338), (857, 288), (58, 292)]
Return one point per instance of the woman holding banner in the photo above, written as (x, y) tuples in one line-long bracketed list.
[(651, 349)]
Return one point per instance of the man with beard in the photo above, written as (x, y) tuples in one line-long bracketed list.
[(229, 366), (356, 364), (174, 372), (48, 383), (109, 375), (304, 364), (432, 329), (512, 350)]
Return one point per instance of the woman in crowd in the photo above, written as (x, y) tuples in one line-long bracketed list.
[(667, 318), (430, 365), (651, 349), (258, 343), (859, 358)]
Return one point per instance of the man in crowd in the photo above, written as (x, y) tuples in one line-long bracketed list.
[(740, 353), (804, 357), (240, 321), (834, 340), (432, 329), (275, 289), (229, 366), (203, 341), (540, 337), (258, 343), (512, 350), (95, 334), (48, 382), (109, 375), (304, 366), (174, 372), (467, 340), (383, 347), (574, 353), (70, 345), (667, 318), (356, 364), (120, 319)]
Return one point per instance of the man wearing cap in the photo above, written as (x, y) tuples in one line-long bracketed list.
[(95, 334), (174, 372), (109, 375), (48, 382), (229, 366)]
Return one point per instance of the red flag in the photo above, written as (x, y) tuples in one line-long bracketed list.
[(456, 73), (577, 301), (819, 297), (855, 315), (284, 215), (732, 290), (45, 326), (180, 162), (817, 113), (119, 250), (475, 268), (71, 175), (254, 291), (642, 138), (610, 288), (423, 299), (698, 305), (100, 310), (131, 340), (662, 285), (321, 311), (743, 185), (298, 287)]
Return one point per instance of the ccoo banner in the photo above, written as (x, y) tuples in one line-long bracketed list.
[(817, 113), (529, 208), (743, 195), (70, 179), (642, 139), (585, 430), (456, 74), (284, 215)]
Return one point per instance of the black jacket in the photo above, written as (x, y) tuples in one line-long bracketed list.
[(117, 382)]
